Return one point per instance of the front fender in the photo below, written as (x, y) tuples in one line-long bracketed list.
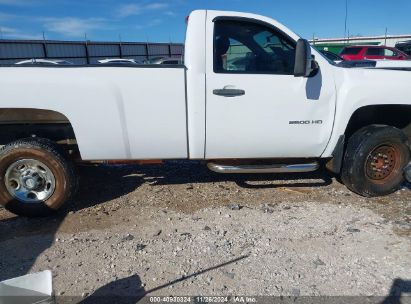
[(359, 87)]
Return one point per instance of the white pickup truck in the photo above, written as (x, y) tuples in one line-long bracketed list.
[(252, 97)]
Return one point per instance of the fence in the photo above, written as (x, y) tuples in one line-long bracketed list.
[(84, 52)]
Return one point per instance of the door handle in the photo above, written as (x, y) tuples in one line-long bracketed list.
[(228, 92)]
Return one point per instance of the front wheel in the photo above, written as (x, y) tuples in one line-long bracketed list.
[(374, 160), (35, 177)]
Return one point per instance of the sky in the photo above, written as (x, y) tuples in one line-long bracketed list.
[(164, 21)]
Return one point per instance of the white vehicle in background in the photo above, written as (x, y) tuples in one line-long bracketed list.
[(36, 61), (393, 64), (253, 97), (166, 60), (377, 64), (118, 61)]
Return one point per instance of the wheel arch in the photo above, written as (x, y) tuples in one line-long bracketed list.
[(396, 115), (19, 123)]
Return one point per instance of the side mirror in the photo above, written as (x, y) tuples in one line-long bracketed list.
[(304, 61)]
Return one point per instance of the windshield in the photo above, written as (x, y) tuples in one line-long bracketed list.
[(331, 55), (323, 55)]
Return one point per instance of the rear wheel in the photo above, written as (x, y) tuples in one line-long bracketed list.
[(374, 160), (35, 177)]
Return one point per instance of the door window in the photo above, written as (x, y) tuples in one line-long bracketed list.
[(351, 51), (250, 48), (375, 52), (389, 53)]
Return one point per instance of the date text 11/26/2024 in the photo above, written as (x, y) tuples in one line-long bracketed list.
[(203, 299)]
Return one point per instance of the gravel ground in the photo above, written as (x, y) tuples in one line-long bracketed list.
[(182, 230)]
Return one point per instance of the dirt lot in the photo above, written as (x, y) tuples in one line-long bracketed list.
[(182, 230)]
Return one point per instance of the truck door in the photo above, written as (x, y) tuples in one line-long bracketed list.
[(255, 106)]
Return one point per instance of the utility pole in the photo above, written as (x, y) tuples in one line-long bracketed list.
[(147, 49), (86, 48), (120, 46), (45, 46), (386, 30), (346, 18)]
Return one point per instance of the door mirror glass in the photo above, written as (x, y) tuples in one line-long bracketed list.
[(304, 61)]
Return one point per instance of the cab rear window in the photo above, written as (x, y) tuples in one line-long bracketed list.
[(351, 51)]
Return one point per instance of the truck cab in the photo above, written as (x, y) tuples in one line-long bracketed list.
[(252, 97)]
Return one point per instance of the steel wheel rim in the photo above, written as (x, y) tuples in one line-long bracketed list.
[(30, 181), (383, 162)]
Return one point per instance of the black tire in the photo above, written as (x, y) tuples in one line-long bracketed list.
[(52, 156), (374, 160)]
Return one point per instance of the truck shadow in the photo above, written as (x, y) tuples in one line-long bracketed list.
[(126, 290), (23, 240), (313, 86), (407, 185), (102, 183), (131, 290), (399, 289)]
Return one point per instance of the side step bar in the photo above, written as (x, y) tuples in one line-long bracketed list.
[(275, 168)]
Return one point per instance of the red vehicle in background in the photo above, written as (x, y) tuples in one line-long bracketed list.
[(372, 53)]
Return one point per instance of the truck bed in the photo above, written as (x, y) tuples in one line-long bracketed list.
[(117, 112)]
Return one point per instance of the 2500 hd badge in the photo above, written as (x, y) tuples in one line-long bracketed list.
[(306, 122)]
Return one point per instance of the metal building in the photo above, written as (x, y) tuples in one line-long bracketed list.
[(335, 45), (84, 52)]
